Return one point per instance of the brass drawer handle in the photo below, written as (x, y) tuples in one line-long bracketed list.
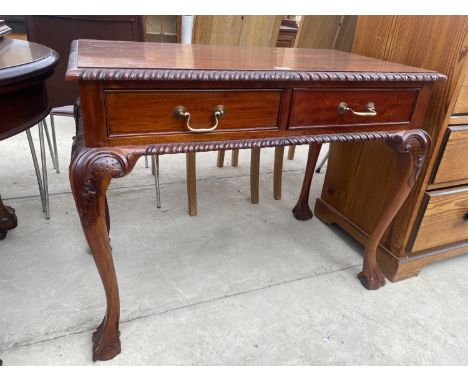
[(370, 109), (181, 112)]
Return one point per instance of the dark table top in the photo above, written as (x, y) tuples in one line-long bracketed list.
[(20, 60)]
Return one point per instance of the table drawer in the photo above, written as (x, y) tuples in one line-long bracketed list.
[(139, 112), (312, 108), (445, 219), (453, 164)]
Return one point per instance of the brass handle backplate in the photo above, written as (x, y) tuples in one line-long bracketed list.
[(181, 112), (370, 109)]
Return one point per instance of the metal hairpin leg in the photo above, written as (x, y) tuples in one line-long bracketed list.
[(155, 170), (54, 141), (36, 168), (49, 143), (44, 169), (322, 162)]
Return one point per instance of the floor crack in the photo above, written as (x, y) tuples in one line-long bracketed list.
[(197, 303)]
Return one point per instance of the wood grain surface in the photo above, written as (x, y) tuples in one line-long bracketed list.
[(361, 174), (453, 164), (323, 32), (319, 107), (236, 30), (105, 57), (461, 106), (153, 111), (445, 219)]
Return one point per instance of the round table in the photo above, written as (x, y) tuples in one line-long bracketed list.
[(24, 67)]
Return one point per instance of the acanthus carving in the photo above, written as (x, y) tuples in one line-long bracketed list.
[(91, 170), (415, 143), (91, 173)]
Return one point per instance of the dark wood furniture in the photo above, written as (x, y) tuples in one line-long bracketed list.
[(433, 222), (58, 32), (24, 67), (237, 98)]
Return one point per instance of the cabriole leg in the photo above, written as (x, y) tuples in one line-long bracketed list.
[(411, 148), (91, 171), (302, 210)]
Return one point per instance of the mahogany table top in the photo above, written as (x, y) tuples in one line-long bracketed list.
[(97, 59)]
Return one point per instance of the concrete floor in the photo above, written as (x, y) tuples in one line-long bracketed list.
[(239, 284)]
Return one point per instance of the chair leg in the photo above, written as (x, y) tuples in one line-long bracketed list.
[(254, 174), (44, 169), (221, 158), (155, 170), (36, 169), (146, 161), (191, 183), (322, 163), (54, 142), (153, 166), (235, 158), (291, 152), (49, 143), (278, 172)]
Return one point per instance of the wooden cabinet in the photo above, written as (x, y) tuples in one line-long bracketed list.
[(444, 219), (461, 106), (431, 223), (453, 159)]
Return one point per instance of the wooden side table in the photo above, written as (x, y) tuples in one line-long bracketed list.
[(24, 67), (142, 99)]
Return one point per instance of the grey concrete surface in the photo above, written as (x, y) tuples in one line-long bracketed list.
[(239, 284)]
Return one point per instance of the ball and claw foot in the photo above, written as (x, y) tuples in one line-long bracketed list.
[(8, 220), (302, 212), (372, 280), (105, 349)]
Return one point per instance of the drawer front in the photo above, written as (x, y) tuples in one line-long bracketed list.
[(312, 108), (445, 219), (453, 164), (142, 112)]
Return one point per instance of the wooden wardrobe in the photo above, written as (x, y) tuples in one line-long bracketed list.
[(433, 222)]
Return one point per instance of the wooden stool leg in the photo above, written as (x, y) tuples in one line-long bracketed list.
[(302, 210), (291, 152), (221, 158), (411, 148), (278, 172), (191, 183), (254, 174), (235, 158), (91, 171)]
